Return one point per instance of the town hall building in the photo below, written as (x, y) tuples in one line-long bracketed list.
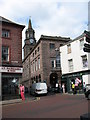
[(42, 58)]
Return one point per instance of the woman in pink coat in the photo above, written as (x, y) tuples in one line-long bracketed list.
[(22, 91)]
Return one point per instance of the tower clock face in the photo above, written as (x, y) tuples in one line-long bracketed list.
[(31, 41)]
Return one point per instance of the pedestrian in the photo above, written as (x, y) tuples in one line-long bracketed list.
[(22, 89), (59, 88), (63, 88), (84, 87), (73, 88)]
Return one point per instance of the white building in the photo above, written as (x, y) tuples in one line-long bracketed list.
[(74, 62)]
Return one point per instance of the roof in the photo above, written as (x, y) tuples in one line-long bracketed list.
[(4, 20), (77, 38), (29, 24), (43, 37)]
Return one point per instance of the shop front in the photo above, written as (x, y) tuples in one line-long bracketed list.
[(11, 78), (69, 79)]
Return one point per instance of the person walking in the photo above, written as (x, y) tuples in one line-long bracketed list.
[(22, 91), (73, 88), (63, 87), (84, 87)]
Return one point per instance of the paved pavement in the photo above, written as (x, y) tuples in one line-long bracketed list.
[(28, 98), (12, 101)]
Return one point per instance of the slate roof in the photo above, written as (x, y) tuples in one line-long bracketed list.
[(4, 20), (55, 38)]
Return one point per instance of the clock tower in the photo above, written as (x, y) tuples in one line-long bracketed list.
[(29, 39)]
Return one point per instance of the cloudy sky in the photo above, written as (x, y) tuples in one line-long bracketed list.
[(49, 17)]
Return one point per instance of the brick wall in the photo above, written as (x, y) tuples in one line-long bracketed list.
[(14, 43)]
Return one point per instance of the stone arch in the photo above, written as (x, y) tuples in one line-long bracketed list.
[(53, 79)]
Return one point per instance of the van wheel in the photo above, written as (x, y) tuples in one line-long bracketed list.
[(89, 97)]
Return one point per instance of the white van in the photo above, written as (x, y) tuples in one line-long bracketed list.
[(38, 88)]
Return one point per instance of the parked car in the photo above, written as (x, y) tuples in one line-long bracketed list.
[(38, 89), (87, 92)]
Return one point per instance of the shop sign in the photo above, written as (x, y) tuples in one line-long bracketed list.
[(11, 69)]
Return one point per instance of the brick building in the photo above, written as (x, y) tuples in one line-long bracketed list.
[(42, 63), (10, 55)]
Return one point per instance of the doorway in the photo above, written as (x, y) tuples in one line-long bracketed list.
[(53, 79)]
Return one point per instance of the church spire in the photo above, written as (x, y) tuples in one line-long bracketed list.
[(29, 24)]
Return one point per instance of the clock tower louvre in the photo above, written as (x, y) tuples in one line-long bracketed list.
[(29, 41)]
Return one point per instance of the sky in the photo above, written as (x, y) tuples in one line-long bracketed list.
[(65, 18)]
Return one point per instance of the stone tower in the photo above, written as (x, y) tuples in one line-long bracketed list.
[(29, 39)]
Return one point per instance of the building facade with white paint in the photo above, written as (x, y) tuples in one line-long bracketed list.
[(74, 62)]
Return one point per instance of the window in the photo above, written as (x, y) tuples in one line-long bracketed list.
[(6, 33), (70, 62), (53, 63), (35, 52), (52, 46), (5, 54), (81, 44), (38, 63), (69, 48), (84, 61), (38, 49), (58, 61), (33, 67)]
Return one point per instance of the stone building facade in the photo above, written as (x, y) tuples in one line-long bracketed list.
[(10, 54), (42, 64)]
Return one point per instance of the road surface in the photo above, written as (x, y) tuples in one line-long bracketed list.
[(53, 106)]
